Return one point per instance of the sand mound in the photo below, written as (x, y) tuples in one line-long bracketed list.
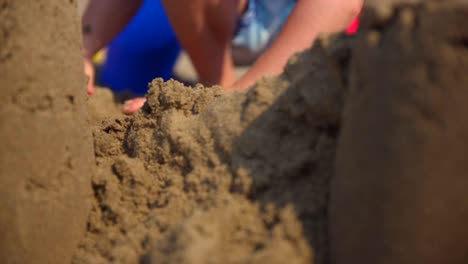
[(105, 104), (202, 177)]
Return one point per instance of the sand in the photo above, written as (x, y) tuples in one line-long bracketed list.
[(46, 152), (199, 176), (400, 191), (355, 154)]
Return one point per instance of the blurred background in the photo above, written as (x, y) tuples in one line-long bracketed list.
[(146, 49)]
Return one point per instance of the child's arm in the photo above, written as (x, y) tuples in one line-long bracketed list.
[(308, 19), (102, 21)]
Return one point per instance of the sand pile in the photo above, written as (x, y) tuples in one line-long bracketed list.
[(204, 177), (199, 176)]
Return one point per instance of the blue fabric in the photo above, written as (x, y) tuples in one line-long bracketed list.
[(261, 22), (146, 49)]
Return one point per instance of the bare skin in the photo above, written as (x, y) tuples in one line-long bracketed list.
[(207, 32), (308, 19), (206, 35), (102, 21)]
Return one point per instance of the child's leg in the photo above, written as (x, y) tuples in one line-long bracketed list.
[(205, 29)]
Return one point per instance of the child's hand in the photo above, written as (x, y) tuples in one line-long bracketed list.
[(89, 71), (133, 105)]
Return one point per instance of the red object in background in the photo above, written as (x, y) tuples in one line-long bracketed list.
[(353, 28)]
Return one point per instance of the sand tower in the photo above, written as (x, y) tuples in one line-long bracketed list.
[(400, 191), (46, 149)]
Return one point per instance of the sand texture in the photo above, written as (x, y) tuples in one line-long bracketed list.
[(357, 153), (46, 151), (400, 191), (199, 176), (246, 178)]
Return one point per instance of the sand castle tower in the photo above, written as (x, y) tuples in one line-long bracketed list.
[(46, 150), (400, 191)]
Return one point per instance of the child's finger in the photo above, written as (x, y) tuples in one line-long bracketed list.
[(89, 71), (131, 106)]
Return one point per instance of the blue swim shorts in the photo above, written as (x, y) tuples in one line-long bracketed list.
[(260, 23)]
